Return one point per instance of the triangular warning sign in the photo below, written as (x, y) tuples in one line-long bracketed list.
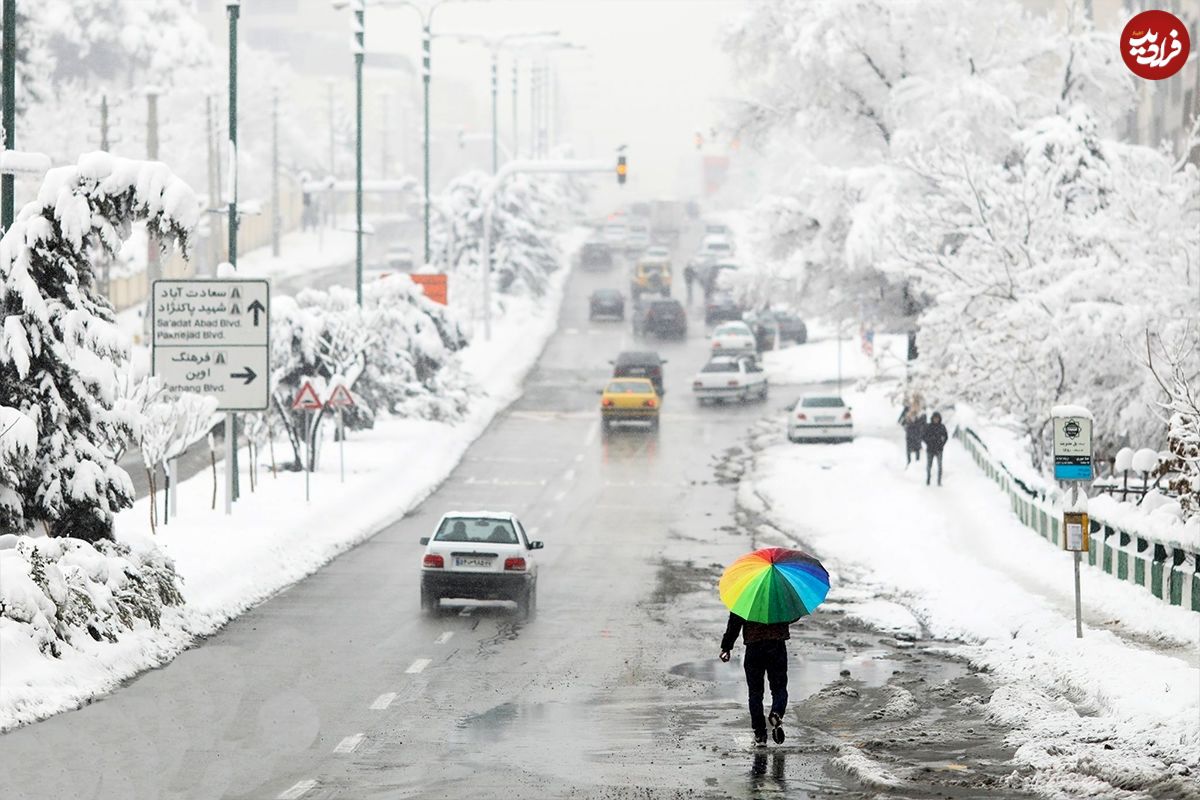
[(235, 309), (340, 397), (235, 293), (307, 398)]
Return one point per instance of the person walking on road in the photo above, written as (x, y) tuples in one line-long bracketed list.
[(766, 655), (689, 278), (935, 437), (914, 424)]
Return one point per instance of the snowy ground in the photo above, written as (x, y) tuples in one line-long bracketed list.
[(1118, 710), (817, 361), (274, 538)]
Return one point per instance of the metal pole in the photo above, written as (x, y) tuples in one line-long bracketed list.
[(332, 133), (214, 183), (516, 150), (485, 262), (495, 110), (233, 7), (275, 214), (839, 357), (153, 261), (104, 145), (342, 444), (1078, 602), (229, 467), (359, 36), (9, 67), (426, 71)]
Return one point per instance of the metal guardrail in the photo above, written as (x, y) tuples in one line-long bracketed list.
[(1167, 571)]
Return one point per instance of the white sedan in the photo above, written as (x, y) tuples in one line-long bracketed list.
[(730, 378), (820, 418), (733, 338), (480, 555)]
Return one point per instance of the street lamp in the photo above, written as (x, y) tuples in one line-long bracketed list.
[(539, 105), (358, 26), (495, 43)]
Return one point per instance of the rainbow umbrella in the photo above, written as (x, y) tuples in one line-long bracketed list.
[(774, 585)]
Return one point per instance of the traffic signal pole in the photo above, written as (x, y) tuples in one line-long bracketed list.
[(488, 199)]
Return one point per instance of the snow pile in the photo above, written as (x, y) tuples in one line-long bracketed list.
[(817, 361), (1117, 710)]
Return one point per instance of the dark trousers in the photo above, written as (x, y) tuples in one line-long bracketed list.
[(929, 457), (769, 659), (914, 454)]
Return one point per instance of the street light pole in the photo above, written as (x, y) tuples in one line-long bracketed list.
[(359, 54), (231, 434), (9, 58), (426, 74), (495, 108)]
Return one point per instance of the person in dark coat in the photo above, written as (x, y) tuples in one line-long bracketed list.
[(935, 437), (914, 424), (689, 278), (766, 654)]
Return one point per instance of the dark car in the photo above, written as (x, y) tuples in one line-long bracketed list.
[(721, 308), (766, 329), (663, 318), (606, 303), (595, 256), (640, 364), (791, 327)]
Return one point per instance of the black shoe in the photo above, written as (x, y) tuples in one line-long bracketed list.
[(776, 727), (760, 739)]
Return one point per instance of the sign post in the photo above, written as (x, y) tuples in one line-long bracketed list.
[(339, 398), (307, 400), (213, 337), (1073, 464)]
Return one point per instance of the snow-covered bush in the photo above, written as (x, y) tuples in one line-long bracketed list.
[(61, 353), (65, 589), (395, 354)]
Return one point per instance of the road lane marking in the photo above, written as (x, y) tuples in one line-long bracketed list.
[(418, 666), (569, 475), (578, 457), (445, 637), (558, 497), (593, 429), (383, 701), (299, 790), (348, 744)]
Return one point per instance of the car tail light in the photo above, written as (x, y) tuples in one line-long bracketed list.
[(433, 561), (697, 384), (514, 565), (846, 415), (716, 345), (733, 383), (606, 402), (801, 416), (651, 403)]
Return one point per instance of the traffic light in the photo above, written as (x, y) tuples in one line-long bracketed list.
[(621, 170)]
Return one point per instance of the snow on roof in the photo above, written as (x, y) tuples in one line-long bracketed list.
[(1068, 410), (506, 515)]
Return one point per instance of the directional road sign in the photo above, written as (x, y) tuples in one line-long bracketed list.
[(213, 337)]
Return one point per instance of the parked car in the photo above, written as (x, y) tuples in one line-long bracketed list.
[(791, 327), (820, 418), (650, 275), (640, 364), (663, 318), (400, 258), (595, 256), (606, 303), (480, 555), (629, 400), (721, 308), (733, 338), (730, 378)]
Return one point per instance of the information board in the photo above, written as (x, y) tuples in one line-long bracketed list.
[(1072, 448)]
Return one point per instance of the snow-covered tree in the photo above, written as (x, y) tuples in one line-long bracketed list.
[(60, 349)]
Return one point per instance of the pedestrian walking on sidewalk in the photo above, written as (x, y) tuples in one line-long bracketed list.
[(935, 437), (913, 420), (766, 656)]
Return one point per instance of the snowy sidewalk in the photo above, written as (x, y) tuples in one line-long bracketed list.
[(1125, 698)]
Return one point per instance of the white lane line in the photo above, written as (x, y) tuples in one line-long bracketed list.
[(467, 611), (578, 457), (348, 744), (560, 495), (299, 790), (383, 701), (592, 430), (445, 637), (419, 665), (569, 475)]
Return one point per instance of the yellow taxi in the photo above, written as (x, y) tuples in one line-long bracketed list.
[(629, 400), (651, 275)]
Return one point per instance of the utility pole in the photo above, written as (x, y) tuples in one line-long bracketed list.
[(359, 53), (9, 67), (275, 214), (233, 7), (214, 182)]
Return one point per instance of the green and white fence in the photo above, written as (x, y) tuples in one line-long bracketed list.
[(1167, 571)]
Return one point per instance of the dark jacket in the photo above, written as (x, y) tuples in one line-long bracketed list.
[(935, 436), (914, 431), (753, 632)]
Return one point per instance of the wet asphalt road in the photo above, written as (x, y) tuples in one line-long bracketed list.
[(340, 688)]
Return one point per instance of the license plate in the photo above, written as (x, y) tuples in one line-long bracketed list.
[(472, 562), (824, 419)]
